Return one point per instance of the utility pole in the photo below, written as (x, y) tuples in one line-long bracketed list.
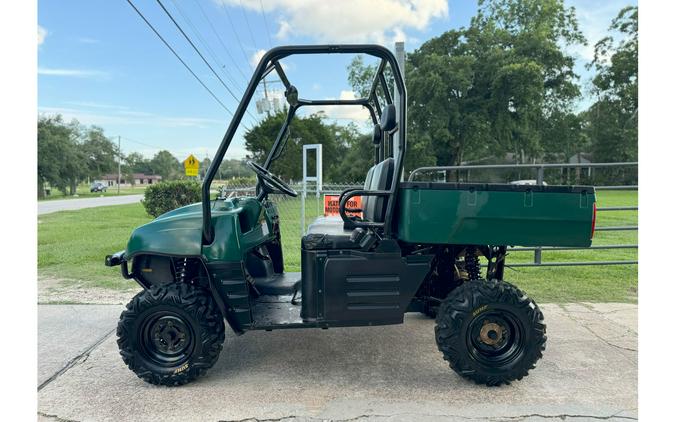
[(269, 104), (119, 162)]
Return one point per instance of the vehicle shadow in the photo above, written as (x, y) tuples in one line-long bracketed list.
[(362, 357)]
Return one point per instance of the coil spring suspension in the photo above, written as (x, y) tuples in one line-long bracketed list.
[(472, 264), (181, 270)]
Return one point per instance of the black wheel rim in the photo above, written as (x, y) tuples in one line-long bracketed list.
[(166, 339), (495, 338)]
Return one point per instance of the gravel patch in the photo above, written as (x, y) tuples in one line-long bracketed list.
[(56, 290)]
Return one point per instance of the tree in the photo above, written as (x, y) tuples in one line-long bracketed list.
[(491, 88), (358, 155), (136, 163), (166, 165), (100, 153), (303, 130), (612, 119), (563, 136), (69, 153), (56, 145), (233, 168)]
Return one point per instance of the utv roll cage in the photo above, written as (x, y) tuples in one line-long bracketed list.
[(271, 62)]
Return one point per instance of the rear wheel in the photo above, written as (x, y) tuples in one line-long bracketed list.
[(490, 332), (170, 334)]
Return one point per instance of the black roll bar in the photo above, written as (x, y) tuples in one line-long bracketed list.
[(272, 58), (281, 73), (387, 96), (280, 136)]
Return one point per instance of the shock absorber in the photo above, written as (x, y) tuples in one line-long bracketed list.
[(472, 263), (181, 270)]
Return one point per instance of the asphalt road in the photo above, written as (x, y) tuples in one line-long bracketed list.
[(393, 373), (46, 207)]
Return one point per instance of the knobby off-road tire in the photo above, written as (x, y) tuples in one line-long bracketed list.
[(490, 332), (170, 334)]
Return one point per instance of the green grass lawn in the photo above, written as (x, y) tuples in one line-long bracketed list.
[(72, 245), (611, 283), (83, 192)]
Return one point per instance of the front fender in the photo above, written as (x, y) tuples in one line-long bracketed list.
[(175, 235)]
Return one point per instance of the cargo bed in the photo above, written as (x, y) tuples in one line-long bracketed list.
[(495, 214)]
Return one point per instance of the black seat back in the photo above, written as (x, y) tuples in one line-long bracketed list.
[(366, 186), (381, 175)]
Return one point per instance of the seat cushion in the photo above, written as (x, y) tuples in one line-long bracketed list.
[(328, 233)]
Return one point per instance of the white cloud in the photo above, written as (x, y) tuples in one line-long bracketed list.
[(42, 34), (345, 113), (380, 21), (255, 58), (75, 73), (285, 29)]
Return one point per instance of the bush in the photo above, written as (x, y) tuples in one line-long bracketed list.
[(166, 196)]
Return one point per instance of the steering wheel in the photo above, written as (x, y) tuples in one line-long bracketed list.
[(270, 180)]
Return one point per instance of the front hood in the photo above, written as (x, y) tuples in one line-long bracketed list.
[(177, 232), (188, 209)]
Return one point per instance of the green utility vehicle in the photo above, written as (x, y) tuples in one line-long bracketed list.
[(417, 248)]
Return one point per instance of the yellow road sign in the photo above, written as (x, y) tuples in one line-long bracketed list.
[(191, 165)]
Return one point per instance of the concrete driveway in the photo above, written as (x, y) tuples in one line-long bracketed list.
[(46, 207), (394, 373)]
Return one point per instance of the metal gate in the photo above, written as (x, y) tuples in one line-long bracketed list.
[(464, 173)]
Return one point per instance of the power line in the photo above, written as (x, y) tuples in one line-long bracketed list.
[(220, 40), (205, 43), (243, 10), (196, 49), (267, 28), (140, 143), (178, 57), (236, 35), (202, 56)]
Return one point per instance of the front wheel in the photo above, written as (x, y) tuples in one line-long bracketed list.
[(490, 332), (170, 334)]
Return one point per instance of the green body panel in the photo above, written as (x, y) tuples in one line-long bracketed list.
[(495, 215), (239, 223)]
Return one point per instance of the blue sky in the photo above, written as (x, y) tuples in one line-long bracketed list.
[(99, 63)]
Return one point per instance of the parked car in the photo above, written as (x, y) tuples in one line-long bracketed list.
[(98, 187), (526, 182)]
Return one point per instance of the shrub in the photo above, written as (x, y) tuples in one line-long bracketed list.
[(166, 196)]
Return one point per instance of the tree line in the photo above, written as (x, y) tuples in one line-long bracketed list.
[(346, 151), (502, 89), (70, 153), (506, 86)]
